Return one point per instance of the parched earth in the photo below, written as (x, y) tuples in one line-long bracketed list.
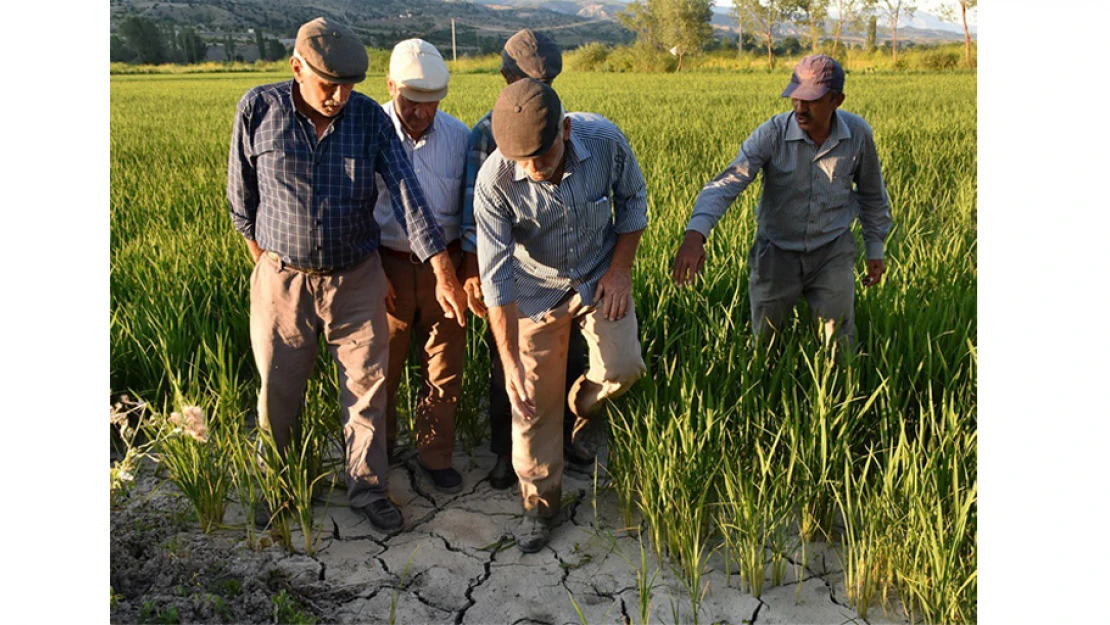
[(454, 563)]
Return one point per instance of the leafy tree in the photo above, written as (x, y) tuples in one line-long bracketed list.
[(789, 46), (685, 25), (192, 46), (850, 13), (260, 43), (274, 50), (872, 33), (681, 26), (762, 16), (893, 11), (229, 48), (810, 16), (639, 16), (144, 39), (120, 53), (948, 14)]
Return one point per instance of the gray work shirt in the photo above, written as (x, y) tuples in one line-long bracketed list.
[(810, 194), (539, 241)]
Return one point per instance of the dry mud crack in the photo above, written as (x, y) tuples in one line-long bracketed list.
[(454, 563)]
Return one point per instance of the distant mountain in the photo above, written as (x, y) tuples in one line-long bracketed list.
[(480, 28)]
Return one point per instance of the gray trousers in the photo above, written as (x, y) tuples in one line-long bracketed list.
[(825, 277), (289, 310)]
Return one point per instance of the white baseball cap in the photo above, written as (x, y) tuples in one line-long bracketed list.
[(419, 71)]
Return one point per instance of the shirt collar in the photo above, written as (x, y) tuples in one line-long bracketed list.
[(577, 154), (839, 132), (401, 133)]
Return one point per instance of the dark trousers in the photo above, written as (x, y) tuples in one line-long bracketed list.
[(501, 410)]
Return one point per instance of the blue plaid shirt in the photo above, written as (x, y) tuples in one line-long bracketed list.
[(312, 202)]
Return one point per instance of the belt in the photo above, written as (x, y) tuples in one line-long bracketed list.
[(452, 248), (312, 271)]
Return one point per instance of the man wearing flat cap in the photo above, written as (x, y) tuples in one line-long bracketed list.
[(560, 207), (820, 170), (302, 184), (435, 142), (527, 54)]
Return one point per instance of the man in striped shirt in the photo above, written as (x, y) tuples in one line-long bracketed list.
[(820, 170), (435, 142), (560, 207), (527, 54), (301, 187)]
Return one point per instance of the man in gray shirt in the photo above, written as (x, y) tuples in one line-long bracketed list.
[(560, 207), (820, 170)]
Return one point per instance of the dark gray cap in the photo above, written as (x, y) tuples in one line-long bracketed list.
[(526, 119), (533, 55), (333, 51), (814, 76)]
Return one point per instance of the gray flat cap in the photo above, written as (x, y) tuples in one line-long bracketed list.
[(526, 119), (533, 55), (333, 51)]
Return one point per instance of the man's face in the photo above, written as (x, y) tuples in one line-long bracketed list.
[(816, 115), (324, 97), (543, 167), (415, 116)]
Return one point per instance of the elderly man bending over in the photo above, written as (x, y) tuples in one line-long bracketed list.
[(560, 207)]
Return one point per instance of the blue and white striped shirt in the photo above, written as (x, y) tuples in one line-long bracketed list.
[(438, 160), (537, 241), (479, 146), (808, 200), (312, 201)]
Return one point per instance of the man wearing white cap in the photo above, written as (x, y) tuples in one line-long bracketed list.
[(435, 142)]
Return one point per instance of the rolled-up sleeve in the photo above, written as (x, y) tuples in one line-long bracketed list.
[(629, 190), (495, 246), (409, 204), (874, 204), (242, 177), (720, 192)]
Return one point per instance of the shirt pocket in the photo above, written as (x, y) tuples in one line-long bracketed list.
[(599, 216), (843, 173), (270, 158), (357, 179)]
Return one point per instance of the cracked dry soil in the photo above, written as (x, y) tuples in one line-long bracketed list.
[(454, 563)]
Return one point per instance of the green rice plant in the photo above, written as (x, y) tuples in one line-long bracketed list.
[(303, 458), (196, 465), (868, 540), (276, 489), (393, 596)]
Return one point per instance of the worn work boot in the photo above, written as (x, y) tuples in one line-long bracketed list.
[(382, 514), (502, 475), (445, 480), (532, 534), (586, 440)]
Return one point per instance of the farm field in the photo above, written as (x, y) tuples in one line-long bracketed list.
[(757, 456)]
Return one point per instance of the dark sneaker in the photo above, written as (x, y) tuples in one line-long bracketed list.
[(587, 440), (502, 476), (445, 480), (532, 534), (382, 514)]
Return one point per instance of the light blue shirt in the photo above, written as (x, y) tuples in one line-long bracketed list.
[(810, 195), (537, 241), (439, 162)]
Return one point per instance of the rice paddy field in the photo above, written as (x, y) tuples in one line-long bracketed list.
[(752, 453)]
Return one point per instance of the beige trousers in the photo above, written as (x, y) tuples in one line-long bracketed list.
[(289, 310), (615, 364), (442, 351)]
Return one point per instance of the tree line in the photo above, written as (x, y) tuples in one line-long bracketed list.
[(142, 41), (683, 26)]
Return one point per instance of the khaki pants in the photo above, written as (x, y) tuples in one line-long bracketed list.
[(289, 310), (615, 364), (442, 351), (825, 277)]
